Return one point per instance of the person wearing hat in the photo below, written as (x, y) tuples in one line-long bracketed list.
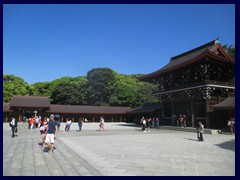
[(51, 133)]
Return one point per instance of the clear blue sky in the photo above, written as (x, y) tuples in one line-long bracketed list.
[(46, 42)]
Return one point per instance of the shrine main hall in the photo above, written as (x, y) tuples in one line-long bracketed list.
[(199, 83)]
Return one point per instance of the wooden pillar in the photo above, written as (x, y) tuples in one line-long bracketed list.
[(162, 120), (192, 112), (207, 114), (172, 109), (162, 109)]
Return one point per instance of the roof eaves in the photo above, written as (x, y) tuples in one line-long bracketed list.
[(162, 70)]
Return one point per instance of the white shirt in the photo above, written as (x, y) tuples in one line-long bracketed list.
[(13, 122)]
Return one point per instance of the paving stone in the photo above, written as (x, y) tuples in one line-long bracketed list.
[(119, 151)]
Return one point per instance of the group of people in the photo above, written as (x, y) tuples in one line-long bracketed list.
[(34, 122), (49, 127), (181, 120), (147, 123), (48, 131)]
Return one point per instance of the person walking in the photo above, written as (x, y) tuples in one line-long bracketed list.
[(143, 124), (181, 120), (157, 123), (149, 124), (13, 124), (101, 124), (184, 121), (231, 125), (43, 131), (36, 121), (80, 123), (200, 131), (68, 124), (51, 133), (58, 120)]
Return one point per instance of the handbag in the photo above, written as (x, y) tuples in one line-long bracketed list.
[(16, 130), (42, 128), (10, 124)]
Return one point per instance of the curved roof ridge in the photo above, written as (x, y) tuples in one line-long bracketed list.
[(209, 44)]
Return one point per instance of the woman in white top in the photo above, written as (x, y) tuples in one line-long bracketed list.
[(68, 124), (101, 125)]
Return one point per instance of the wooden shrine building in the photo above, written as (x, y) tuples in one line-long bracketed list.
[(28, 106), (193, 82)]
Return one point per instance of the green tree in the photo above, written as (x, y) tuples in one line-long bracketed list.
[(13, 85), (41, 89), (69, 91), (145, 92), (100, 86), (230, 50), (131, 92)]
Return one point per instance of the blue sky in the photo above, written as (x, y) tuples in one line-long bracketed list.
[(46, 42)]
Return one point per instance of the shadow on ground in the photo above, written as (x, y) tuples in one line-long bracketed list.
[(191, 139), (128, 125), (229, 145)]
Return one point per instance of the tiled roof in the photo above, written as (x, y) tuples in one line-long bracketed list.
[(88, 109), (146, 108), (192, 56), (30, 101), (227, 104), (6, 107)]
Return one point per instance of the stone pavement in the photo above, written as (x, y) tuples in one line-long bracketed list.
[(121, 150)]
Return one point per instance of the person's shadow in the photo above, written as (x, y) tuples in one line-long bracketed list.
[(191, 139)]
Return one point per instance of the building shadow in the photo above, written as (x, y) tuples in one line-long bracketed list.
[(128, 125), (229, 145)]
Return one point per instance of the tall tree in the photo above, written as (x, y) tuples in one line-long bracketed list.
[(131, 92), (41, 89), (13, 85), (69, 91), (100, 85)]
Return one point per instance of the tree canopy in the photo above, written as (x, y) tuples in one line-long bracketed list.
[(101, 86), (230, 50), (13, 85)]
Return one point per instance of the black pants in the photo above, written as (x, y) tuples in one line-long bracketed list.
[(13, 130), (200, 136)]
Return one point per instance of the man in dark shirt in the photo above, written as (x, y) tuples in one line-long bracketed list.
[(51, 133)]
